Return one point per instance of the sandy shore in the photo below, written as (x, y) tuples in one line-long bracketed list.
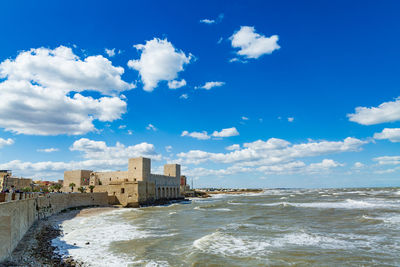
[(35, 248)]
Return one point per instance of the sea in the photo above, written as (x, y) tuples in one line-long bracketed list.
[(278, 227)]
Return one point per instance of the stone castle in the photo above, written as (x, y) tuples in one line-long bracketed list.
[(8, 181), (132, 188)]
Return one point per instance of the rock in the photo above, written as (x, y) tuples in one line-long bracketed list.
[(87, 243)]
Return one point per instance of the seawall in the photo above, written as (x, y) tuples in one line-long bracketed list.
[(17, 216)]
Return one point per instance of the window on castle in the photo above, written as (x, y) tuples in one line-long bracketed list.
[(122, 190)]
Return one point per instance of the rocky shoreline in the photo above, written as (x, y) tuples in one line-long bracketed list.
[(35, 249)]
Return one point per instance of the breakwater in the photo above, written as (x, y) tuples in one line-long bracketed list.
[(18, 212)]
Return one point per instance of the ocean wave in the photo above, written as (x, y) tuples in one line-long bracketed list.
[(100, 231), (306, 239), (347, 204), (225, 244)]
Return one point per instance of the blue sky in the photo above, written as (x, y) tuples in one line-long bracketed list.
[(288, 94)]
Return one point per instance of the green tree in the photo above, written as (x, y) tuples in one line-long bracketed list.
[(26, 189), (72, 185), (91, 187), (82, 189), (57, 187)]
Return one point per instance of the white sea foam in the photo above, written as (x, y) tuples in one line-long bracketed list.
[(100, 231), (222, 209), (305, 239), (347, 204), (225, 244)]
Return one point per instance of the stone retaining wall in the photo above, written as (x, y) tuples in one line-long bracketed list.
[(20, 211)]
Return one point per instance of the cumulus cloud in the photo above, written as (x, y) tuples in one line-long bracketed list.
[(151, 127), (392, 134), (209, 85), (6, 142), (385, 112), (110, 52), (205, 136), (290, 119), (184, 96), (233, 147), (159, 61), (197, 135), (245, 118), (41, 92), (271, 152), (176, 84), (168, 148), (96, 156), (228, 132), (48, 150), (252, 44), (358, 165)]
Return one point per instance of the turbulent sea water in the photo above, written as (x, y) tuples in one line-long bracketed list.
[(320, 227)]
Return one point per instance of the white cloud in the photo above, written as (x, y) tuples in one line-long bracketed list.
[(388, 160), (252, 44), (110, 52), (233, 147), (159, 61), (209, 85), (393, 134), (6, 142), (271, 152), (290, 119), (358, 165), (385, 112), (176, 84), (48, 150), (130, 132), (122, 127), (97, 156), (213, 21), (245, 118), (184, 96), (197, 135), (151, 127), (45, 85), (168, 148), (207, 21), (294, 167), (235, 59), (228, 132)]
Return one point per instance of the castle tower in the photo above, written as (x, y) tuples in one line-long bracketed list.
[(173, 170), (139, 169)]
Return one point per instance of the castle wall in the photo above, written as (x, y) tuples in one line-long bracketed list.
[(135, 186), (16, 217), (78, 177), (108, 177), (139, 169), (18, 183)]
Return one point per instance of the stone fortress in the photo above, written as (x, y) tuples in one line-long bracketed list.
[(132, 188), (8, 181)]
